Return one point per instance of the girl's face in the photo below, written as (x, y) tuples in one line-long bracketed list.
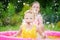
[(36, 7), (29, 18)]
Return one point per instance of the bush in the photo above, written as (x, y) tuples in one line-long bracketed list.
[(1, 24), (58, 24), (16, 19)]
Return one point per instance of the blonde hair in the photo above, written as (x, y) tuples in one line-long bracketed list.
[(35, 3), (30, 12)]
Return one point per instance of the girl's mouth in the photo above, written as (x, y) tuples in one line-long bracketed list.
[(28, 23)]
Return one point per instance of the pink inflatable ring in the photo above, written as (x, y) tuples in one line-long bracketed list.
[(8, 35)]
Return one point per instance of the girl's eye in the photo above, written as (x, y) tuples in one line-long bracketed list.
[(30, 18), (34, 6), (26, 18)]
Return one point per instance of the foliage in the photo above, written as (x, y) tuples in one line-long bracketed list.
[(57, 27), (16, 19), (12, 11), (58, 24)]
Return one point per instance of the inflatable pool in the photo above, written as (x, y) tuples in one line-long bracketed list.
[(8, 35), (52, 35)]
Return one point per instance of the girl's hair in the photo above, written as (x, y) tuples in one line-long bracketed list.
[(30, 12), (35, 3)]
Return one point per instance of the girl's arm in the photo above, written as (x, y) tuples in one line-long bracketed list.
[(41, 32), (19, 32)]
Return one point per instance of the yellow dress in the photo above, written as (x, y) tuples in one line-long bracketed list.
[(28, 33)]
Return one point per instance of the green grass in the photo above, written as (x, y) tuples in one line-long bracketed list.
[(14, 28), (49, 27), (9, 28)]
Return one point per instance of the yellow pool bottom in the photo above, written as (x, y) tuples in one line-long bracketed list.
[(54, 37)]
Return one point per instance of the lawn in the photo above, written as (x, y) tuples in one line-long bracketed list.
[(15, 28), (9, 28), (52, 27)]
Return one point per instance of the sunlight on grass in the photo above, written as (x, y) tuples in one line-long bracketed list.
[(9, 28)]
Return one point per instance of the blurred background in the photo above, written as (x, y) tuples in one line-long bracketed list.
[(12, 13)]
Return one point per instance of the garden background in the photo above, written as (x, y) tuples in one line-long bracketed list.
[(12, 13)]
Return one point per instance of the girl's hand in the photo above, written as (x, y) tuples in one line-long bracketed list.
[(14, 35), (43, 36)]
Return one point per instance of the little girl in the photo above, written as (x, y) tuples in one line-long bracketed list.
[(38, 18), (28, 29), (35, 9)]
